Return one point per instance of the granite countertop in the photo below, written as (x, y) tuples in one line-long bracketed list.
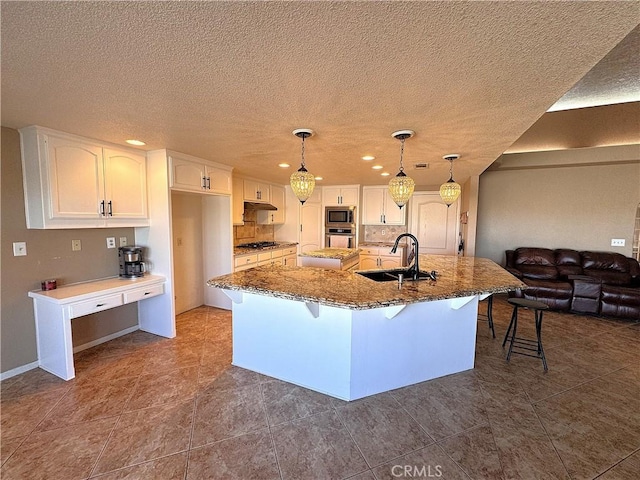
[(245, 251), (337, 253), (457, 277)]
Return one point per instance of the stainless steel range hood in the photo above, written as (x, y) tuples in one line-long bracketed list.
[(258, 206)]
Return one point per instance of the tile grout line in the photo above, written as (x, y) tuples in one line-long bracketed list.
[(273, 442), (637, 450), (344, 425)]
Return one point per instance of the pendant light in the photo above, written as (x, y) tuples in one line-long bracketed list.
[(302, 182), (450, 191), (401, 186)]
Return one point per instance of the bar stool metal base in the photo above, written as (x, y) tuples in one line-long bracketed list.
[(524, 345), (489, 314)]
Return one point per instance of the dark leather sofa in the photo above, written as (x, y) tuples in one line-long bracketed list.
[(599, 283)]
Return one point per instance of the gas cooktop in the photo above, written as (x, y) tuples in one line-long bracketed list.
[(257, 245)]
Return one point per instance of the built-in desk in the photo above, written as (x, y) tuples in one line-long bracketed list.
[(54, 310)]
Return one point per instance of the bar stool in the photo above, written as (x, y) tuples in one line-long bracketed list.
[(489, 314), (524, 343)]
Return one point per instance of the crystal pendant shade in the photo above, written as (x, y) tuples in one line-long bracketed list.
[(302, 182), (401, 186), (450, 191)]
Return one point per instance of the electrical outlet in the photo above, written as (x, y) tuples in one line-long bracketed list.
[(123, 241), (19, 249), (111, 242), (76, 245), (617, 242)]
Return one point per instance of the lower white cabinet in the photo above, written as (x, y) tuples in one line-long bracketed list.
[(372, 258)]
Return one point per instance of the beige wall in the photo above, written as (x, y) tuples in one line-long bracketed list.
[(49, 255), (578, 199)]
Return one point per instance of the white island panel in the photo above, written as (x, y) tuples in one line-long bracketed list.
[(350, 354)]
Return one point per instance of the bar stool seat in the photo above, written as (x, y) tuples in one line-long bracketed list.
[(524, 345), (489, 314)]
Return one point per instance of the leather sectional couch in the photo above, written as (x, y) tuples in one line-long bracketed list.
[(599, 283)]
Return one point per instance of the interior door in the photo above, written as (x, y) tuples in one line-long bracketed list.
[(434, 224), (310, 227)]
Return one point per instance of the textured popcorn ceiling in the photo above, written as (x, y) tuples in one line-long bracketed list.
[(229, 81)]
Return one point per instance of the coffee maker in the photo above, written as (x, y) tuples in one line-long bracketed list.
[(131, 262)]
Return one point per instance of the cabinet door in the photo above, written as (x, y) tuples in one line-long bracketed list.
[(290, 260), (217, 180), (125, 180), (237, 200), (76, 181), (310, 227), (187, 175), (393, 215), (390, 262), (274, 217), (373, 206), (369, 262), (331, 195), (349, 196)]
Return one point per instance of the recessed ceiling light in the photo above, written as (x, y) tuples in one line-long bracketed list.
[(137, 143), (319, 178), (368, 158), (284, 165), (385, 174), (377, 167)]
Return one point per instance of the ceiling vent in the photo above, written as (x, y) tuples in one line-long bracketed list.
[(420, 166)]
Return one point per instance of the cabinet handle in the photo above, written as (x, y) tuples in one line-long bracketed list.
[(102, 208), (381, 221), (101, 305), (272, 218), (204, 182), (208, 183), (147, 293), (110, 209), (384, 218)]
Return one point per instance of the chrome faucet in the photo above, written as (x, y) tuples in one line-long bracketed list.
[(414, 270)]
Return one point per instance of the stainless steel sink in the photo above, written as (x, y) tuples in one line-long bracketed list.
[(393, 274)]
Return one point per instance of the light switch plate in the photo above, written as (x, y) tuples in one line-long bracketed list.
[(111, 242), (19, 249), (76, 245), (617, 242), (123, 241)]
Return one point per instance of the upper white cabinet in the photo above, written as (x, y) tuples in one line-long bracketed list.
[(73, 182), (237, 201), (193, 174), (274, 217), (340, 195), (255, 191), (378, 208)]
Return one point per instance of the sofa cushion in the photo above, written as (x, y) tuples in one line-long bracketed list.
[(568, 262), (536, 263), (608, 267)]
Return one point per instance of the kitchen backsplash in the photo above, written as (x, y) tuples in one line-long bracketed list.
[(383, 233), (251, 231)]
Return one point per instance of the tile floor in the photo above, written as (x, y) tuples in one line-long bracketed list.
[(145, 407)]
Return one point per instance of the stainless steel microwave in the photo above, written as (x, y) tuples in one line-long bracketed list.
[(340, 216)]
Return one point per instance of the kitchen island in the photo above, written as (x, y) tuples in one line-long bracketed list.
[(334, 258), (347, 336)]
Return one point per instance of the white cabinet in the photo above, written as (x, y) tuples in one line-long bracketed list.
[(256, 191), (274, 217), (372, 258), (310, 236), (237, 201), (340, 195), (192, 174), (378, 208), (73, 182)]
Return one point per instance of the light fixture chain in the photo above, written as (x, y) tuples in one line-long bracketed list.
[(303, 137), (401, 153)]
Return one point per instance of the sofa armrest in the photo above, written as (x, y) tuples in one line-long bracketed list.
[(514, 272)]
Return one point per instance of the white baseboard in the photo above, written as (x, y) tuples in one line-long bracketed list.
[(100, 340), (30, 366), (18, 370)]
